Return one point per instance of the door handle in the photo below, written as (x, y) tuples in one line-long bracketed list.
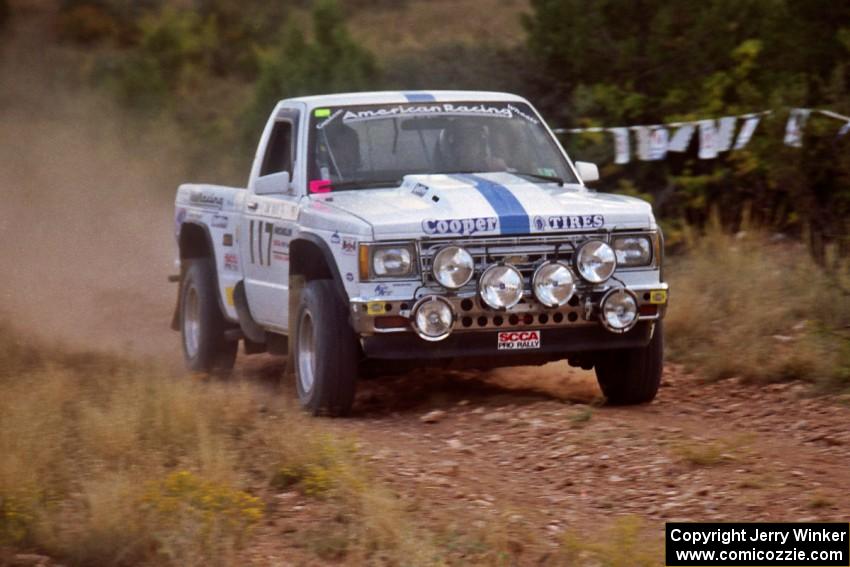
[(253, 206)]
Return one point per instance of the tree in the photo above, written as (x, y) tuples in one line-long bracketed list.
[(626, 62), (331, 62)]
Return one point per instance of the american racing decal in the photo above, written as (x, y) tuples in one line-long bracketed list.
[(413, 110), (460, 226), (518, 340), (520, 113), (568, 222)]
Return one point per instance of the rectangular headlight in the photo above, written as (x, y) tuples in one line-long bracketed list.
[(633, 251), (387, 261)]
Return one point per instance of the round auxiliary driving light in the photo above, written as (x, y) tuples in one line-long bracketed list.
[(433, 318), (501, 286), (619, 310), (553, 284), (453, 267), (596, 261)]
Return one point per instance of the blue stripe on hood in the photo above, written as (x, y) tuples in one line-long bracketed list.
[(513, 218), (419, 97)]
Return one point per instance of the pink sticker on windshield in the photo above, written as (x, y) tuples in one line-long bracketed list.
[(320, 186)]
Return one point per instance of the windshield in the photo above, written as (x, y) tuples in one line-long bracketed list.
[(377, 145)]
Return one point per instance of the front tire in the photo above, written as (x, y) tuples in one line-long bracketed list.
[(632, 376), (202, 324), (326, 351)]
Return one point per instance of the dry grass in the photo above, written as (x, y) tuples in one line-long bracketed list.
[(760, 310), (109, 463), (623, 544), (703, 453)]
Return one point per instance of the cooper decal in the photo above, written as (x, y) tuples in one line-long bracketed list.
[(460, 226)]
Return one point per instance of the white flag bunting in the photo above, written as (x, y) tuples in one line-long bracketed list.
[(654, 141)]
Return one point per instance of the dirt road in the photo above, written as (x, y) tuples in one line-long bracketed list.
[(529, 449)]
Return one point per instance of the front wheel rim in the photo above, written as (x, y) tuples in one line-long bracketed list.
[(192, 322), (306, 353)]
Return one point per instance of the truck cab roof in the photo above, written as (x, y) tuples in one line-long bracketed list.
[(390, 97)]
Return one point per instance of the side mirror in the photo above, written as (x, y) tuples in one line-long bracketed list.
[(272, 184), (587, 171)]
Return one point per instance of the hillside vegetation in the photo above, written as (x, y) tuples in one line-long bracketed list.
[(111, 462)]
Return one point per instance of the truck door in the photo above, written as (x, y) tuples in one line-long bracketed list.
[(271, 211)]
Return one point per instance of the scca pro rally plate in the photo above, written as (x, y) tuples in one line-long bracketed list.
[(518, 340)]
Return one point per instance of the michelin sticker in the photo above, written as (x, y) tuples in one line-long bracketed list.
[(568, 222), (460, 226)]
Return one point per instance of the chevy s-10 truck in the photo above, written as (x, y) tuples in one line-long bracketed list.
[(398, 229)]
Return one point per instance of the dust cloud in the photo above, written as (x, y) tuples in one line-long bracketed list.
[(86, 225), (86, 231)]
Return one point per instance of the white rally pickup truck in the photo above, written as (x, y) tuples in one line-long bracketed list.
[(396, 229)]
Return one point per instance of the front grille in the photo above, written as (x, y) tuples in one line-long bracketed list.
[(525, 253)]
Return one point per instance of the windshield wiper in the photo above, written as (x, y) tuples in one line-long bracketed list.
[(550, 178), (343, 185)]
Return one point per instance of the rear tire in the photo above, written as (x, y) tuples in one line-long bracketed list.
[(326, 353), (202, 324), (632, 376)]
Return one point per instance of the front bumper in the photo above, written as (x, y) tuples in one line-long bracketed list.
[(480, 348)]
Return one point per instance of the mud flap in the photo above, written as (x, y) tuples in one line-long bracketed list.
[(296, 284), (250, 328)]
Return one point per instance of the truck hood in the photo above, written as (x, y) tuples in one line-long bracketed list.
[(487, 204)]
